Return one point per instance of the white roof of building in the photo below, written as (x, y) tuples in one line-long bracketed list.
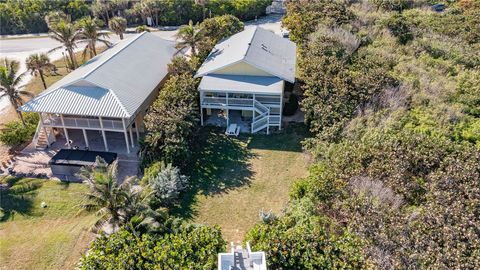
[(241, 84), (113, 84), (258, 47)]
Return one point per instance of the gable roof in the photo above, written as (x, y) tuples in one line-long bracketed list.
[(112, 84), (258, 47)]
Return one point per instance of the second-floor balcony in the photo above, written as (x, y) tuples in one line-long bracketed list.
[(239, 102), (82, 122)]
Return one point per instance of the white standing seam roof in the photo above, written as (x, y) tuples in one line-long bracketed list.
[(113, 84), (241, 84), (258, 47)]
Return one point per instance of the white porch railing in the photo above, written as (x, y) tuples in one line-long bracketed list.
[(219, 101), (92, 123)]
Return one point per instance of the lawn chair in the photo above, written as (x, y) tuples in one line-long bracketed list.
[(232, 130)]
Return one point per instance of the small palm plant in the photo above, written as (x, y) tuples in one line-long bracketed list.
[(69, 35), (38, 64), (10, 85), (190, 36), (90, 33), (106, 197), (118, 25)]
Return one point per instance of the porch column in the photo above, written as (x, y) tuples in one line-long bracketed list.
[(131, 136), (86, 138), (281, 110), (51, 129), (228, 119), (126, 135), (103, 134), (201, 116), (136, 128), (66, 132)]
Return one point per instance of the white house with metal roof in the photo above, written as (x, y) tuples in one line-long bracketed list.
[(244, 76), (109, 93)]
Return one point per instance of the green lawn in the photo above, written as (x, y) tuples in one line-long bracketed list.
[(32, 237), (234, 178)]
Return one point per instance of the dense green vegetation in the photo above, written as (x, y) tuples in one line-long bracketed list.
[(27, 16), (15, 132), (189, 247), (172, 120), (391, 96)]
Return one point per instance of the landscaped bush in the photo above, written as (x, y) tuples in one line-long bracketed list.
[(171, 122), (189, 248), (166, 185), (16, 133)]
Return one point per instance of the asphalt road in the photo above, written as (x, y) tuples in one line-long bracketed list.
[(20, 47)]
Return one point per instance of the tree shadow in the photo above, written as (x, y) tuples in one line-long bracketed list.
[(219, 164), (16, 197), (289, 139)]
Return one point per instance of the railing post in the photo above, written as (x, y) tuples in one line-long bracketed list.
[(103, 133), (126, 136), (66, 132)]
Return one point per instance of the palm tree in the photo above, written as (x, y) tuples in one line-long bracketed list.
[(90, 33), (190, 36), (118, 25), (107, 198), (68, 34), (9, 85), (37, 64)]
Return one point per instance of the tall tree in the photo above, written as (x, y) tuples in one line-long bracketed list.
[(90, 33), (106, 197), (118, 25), (190, 36), (38, 64), (10, 85), (69, 35)]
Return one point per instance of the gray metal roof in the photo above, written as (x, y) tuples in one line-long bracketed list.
[(258, 47), (129, 72), (74, 100), (240, 83)]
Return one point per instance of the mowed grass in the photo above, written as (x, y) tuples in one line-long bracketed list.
[(234, 178), (32, 237)]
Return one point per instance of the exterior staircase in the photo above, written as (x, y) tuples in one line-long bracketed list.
[(264, 120), (43, 138)]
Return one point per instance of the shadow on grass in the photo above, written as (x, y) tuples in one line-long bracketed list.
[(289, 139), (222, 163), (219, 164), (17, 197)]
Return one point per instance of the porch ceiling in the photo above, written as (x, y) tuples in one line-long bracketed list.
[(241, 84)]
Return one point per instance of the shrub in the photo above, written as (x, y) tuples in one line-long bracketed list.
[(189, 248), (400, 29), (141, 28), (167, 185), (181, 65), (15, 133), (306, 244), (303, 17), (171, 122)]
